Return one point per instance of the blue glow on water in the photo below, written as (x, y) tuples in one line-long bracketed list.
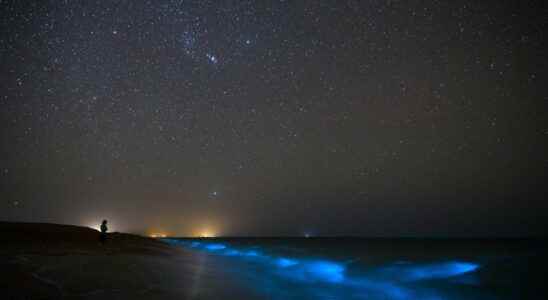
[(215, 247), (325, 271), (233, 252), (309, 271), (286, 262), (251, 253), (320, 278), (412, 272), (444, 270)]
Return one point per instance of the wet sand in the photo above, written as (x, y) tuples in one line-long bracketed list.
[(49, 261)]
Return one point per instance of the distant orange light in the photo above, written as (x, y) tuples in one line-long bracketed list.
[(157, 235), (207, 234)]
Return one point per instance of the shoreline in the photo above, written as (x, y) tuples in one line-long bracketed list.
[(51, 261)]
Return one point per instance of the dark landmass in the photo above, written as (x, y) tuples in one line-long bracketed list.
[(51, 261)]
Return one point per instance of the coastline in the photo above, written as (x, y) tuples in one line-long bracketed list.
[(50, 261)]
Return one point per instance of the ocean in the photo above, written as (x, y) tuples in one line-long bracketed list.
[(359, 268)]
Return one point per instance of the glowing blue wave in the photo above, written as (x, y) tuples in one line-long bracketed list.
[(389, 282), (416, 272), (300, 269)]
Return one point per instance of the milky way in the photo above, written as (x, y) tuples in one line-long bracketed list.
[(281, 117)]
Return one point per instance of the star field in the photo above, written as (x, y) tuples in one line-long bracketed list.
[(276, 117)]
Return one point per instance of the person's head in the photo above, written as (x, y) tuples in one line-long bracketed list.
[(104, 222)]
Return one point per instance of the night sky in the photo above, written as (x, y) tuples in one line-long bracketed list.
[(376, 118)]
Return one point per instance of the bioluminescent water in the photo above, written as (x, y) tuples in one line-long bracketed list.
[(294, 272)]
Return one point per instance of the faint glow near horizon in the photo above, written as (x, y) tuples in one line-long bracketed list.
[(207, 230), (207, 234), (157, 232), (95, 227), (96, 224), (157, 235)]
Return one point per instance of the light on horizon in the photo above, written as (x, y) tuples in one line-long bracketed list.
[(97, 226), (207, 234), (94, 227), (94, 222), (157, 235)]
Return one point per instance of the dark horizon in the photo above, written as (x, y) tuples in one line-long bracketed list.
[(541, 238), (377, 118)]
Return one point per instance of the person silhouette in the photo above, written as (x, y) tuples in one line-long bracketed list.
[(104, 229)]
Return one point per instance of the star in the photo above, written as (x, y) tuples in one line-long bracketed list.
[(212, 58)]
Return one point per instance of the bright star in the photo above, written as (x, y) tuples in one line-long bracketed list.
[(212, 58)]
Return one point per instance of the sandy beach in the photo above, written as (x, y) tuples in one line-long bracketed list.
[(48, 261)]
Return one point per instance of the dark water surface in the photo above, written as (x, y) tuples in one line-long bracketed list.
[(356, 268)]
